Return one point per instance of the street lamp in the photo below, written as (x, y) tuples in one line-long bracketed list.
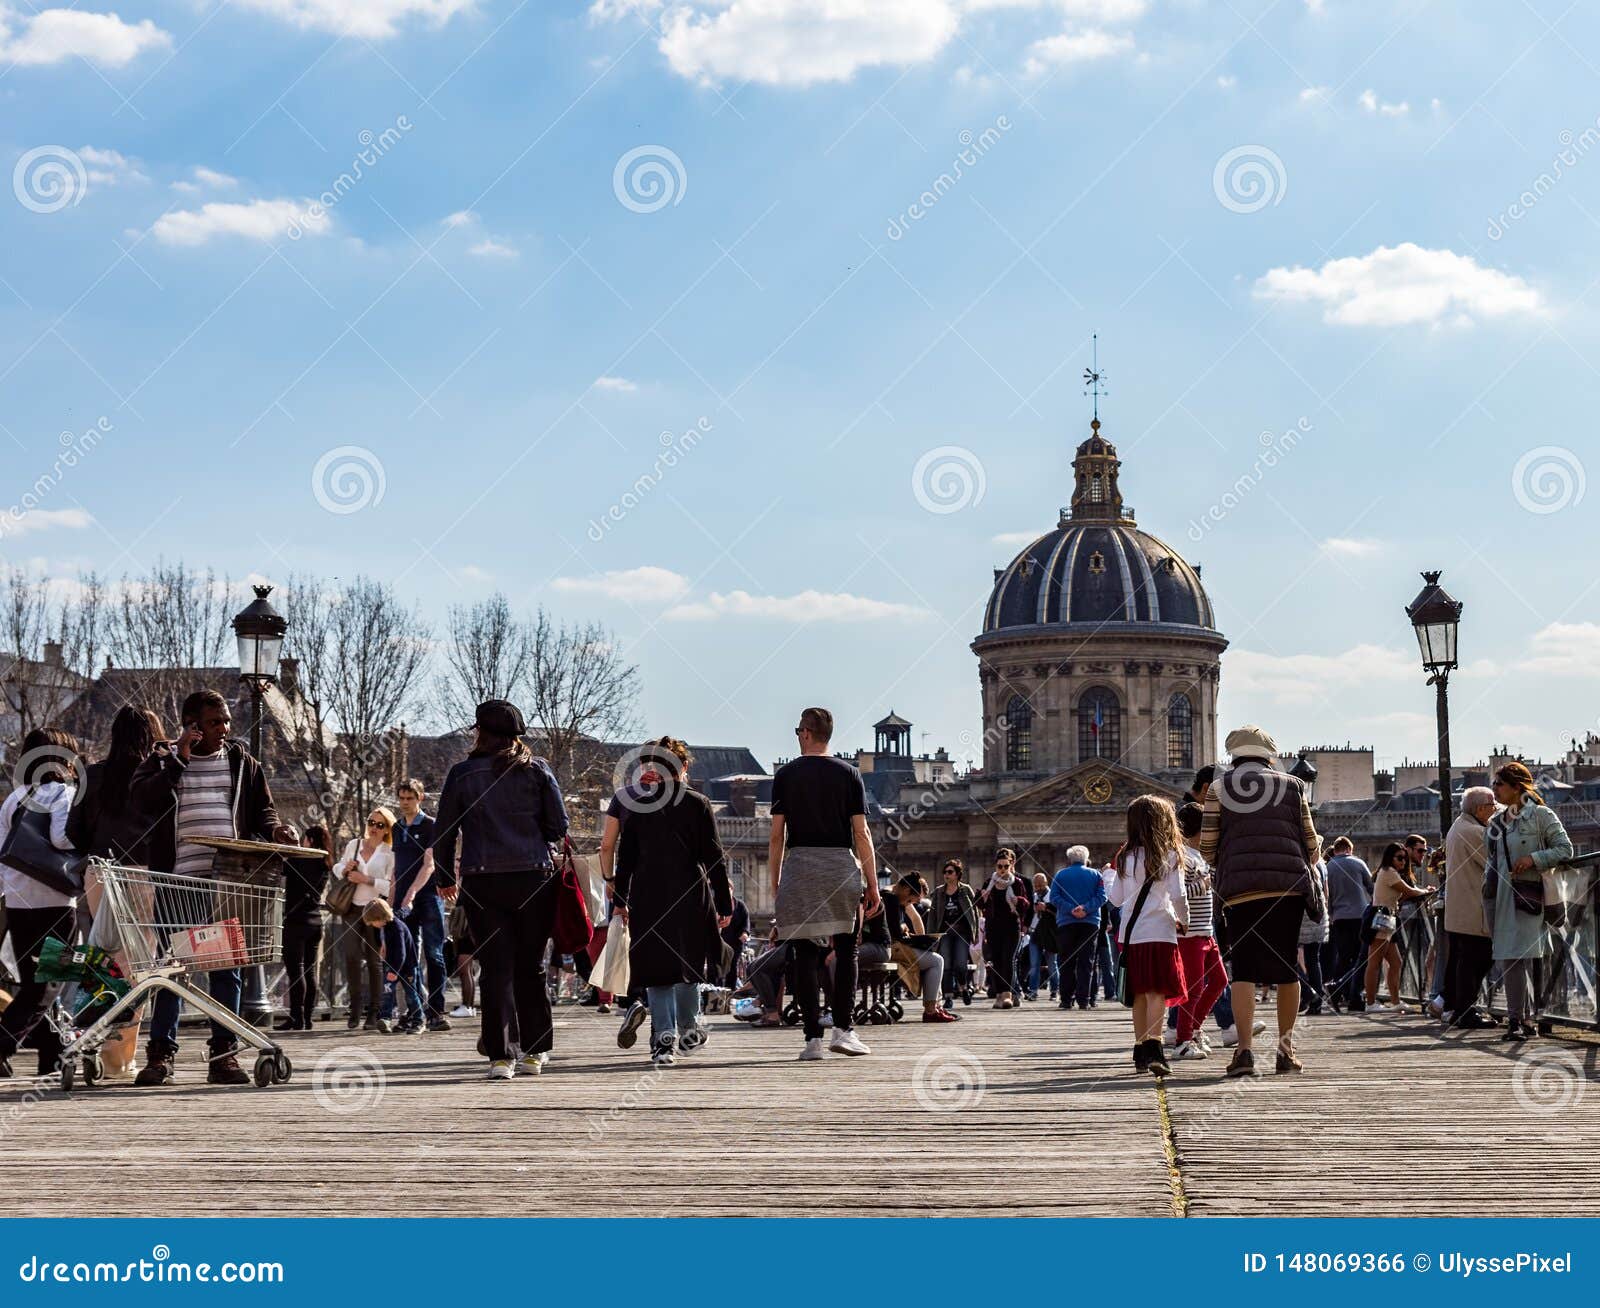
[(1435, 617), (1305, 772), (260, 629)]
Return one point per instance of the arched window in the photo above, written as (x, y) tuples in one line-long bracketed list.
[(1019, 735), (1099, 725), (1180, 732), (1097, 489)]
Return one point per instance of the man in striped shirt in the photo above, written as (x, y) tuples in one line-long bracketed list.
[(202, 784)]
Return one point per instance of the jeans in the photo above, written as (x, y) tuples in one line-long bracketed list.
[(673, 1008), (427, 927), (1311, 977), (224, 988), (1441, 962), (512, 914), (29, 928), (808, 982), (302, 947), (1037, 953), (411, 979), (1078, 944), (957, 955), (1108, 974), (1348, 959), (1000, 948)]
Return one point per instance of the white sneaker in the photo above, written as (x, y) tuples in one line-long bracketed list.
[(1191, 1049), (812, 1053), (1436, 1005), (847, 1042), (534, 1064), (461, 1010), (1169, 1037), (502, 1069), (1230, 1036), (1204, 1041), (1257, 1027), (693, 1039), (1378, 1008)]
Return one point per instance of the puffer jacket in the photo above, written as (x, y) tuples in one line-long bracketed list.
[(1260, 844), (503, 822)]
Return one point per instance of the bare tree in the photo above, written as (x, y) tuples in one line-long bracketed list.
[(377, 651), (167, 623), (311, 742), (51, 636), (487, 655), (579, 688)]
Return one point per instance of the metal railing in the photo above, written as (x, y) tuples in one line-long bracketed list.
[(1566, 981)]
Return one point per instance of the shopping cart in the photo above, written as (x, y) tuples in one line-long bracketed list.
[(170, 928)]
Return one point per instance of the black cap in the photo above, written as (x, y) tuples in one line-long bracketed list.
[(500, 717)]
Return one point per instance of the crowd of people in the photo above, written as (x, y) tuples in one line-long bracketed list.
[(1207, 909)]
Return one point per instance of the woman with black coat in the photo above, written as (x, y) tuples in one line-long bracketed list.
[(503, 808), (104, 823), (672, 890), (304, 880)]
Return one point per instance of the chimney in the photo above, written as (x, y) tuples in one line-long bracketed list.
[(1383, 784), (742, 797), (52, 653), (289, 676)]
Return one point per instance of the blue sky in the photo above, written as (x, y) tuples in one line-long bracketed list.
[(1279, 217)]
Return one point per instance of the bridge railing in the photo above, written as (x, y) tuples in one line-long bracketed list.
[(1566, 980)]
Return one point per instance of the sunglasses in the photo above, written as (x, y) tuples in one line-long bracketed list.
[(374, 822)]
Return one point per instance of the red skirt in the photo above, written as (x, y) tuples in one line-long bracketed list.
[(1155, 967)]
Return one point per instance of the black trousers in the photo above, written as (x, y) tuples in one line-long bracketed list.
[(29, 928), (1000, 949), (1467, 965), (809, 978), (1078, 943), (1347, 967), (512, 915), (302, 952)]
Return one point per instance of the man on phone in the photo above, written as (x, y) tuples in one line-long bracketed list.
[(202, 784)]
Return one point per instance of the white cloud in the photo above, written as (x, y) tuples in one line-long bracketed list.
[(1314, 678), (614, 384), (490, 248), (1402, 284), (460, 218), (793, 42), (107, 167), (1014, 539), (1075, 48), (361, 18), (40, 520), (205, 179), (807, 606), (643, 585), (1564, 649), (1227, 81), (1342, 547), (1370, 102), (1315, 94), (58, 34), (256, 220)]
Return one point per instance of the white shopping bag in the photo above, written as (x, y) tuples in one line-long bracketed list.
[(610, 971)]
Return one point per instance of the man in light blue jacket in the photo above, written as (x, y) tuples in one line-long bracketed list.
[(1077, 894)]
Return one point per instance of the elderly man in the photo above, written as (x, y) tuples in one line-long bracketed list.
[(1470, 952), (1257, 834)]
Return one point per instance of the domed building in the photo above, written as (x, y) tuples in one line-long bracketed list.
[(1098, 667)]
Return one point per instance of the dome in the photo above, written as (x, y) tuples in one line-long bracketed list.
[(1097, 567), (1097, 572)]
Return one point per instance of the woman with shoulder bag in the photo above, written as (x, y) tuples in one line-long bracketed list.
[(1392, 888), (1524, 840), (367, 864), (39, 905), (503, 808)]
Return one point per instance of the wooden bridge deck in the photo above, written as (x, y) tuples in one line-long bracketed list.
[(1030, 1112)]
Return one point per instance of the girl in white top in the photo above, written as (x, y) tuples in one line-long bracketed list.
[(369, 860), (1149, 931)]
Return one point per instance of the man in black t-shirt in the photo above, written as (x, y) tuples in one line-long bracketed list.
[(821, 856)]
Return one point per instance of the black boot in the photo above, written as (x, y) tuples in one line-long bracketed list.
[(1141, 1056), (1156, 1062)]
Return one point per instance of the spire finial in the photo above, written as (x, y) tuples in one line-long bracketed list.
[(1093, 378)]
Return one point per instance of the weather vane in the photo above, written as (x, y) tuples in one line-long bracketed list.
[(1093, 378)]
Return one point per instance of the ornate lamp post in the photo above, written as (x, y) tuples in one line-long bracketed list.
[(1435, 617), (260, 629), (1305, 771)]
